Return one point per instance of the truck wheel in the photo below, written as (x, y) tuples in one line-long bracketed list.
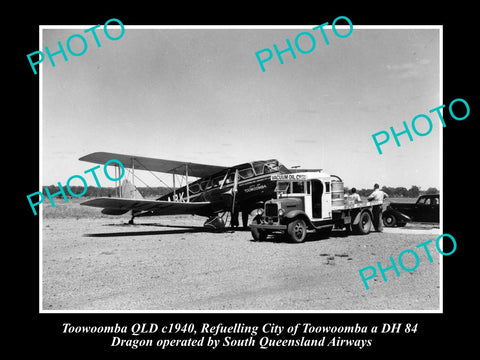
[(364, 225), (297, 230), (389, 220), (259, 234)]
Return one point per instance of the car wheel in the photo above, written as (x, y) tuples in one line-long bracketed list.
[(389, 220)]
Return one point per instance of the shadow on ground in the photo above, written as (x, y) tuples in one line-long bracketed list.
[(171, 229)]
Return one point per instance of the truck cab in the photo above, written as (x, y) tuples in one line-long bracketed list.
[(308, 201), (309, 193)]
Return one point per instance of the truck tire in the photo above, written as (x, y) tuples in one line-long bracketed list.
[(364, 225), (389, 220), (297, 230), (259, 234)]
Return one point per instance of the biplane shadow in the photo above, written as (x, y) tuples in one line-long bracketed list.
[(176, 229)]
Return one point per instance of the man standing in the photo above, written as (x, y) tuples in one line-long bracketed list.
[(377, 195)]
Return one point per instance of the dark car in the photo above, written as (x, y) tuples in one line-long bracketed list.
[(425, 209)]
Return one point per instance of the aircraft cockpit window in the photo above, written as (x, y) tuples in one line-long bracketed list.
[(271, 167), (217, 181), (230, 178), (246, 173), (258, 166)]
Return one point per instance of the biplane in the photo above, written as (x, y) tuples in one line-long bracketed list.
[(217, 190)]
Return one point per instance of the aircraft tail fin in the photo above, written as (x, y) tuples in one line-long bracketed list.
[(129, 191)]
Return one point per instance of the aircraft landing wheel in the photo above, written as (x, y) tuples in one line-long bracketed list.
[(214, 223)]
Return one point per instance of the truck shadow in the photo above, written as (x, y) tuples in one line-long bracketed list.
[(311, 236)]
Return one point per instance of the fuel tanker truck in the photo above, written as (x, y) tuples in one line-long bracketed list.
[(311, 201)]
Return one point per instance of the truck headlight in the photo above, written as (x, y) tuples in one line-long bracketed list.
[(281, 212), (260, 212)]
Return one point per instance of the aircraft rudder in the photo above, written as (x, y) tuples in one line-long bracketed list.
[(129, 191)]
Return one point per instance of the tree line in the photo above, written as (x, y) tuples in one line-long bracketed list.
[(400, 191)]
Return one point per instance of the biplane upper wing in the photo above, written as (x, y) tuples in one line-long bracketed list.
[(153, 164), (160, 207)]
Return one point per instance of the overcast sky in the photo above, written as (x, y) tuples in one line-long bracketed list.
[(199, 95)]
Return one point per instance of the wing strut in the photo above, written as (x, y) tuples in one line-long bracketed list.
[(133, 183), (174, 187), (188, 189), (181, 182), (151, 172), (133, 171)]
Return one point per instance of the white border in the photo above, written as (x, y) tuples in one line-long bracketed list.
[(242, 27)]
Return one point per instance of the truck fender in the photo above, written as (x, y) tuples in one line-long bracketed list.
[(356, 220), (299, 213), (255, 211), (255, 206), (399, 215)]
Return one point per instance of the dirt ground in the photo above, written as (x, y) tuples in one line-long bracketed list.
[(165, 264)]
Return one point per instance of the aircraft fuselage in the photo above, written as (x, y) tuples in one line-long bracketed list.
[(253, 187)]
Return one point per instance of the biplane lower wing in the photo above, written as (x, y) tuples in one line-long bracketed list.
[(158, 207)]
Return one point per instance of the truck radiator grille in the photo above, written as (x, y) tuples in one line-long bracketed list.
[(271, 210)]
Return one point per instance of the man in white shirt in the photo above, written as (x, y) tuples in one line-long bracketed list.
[(377, 195)]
